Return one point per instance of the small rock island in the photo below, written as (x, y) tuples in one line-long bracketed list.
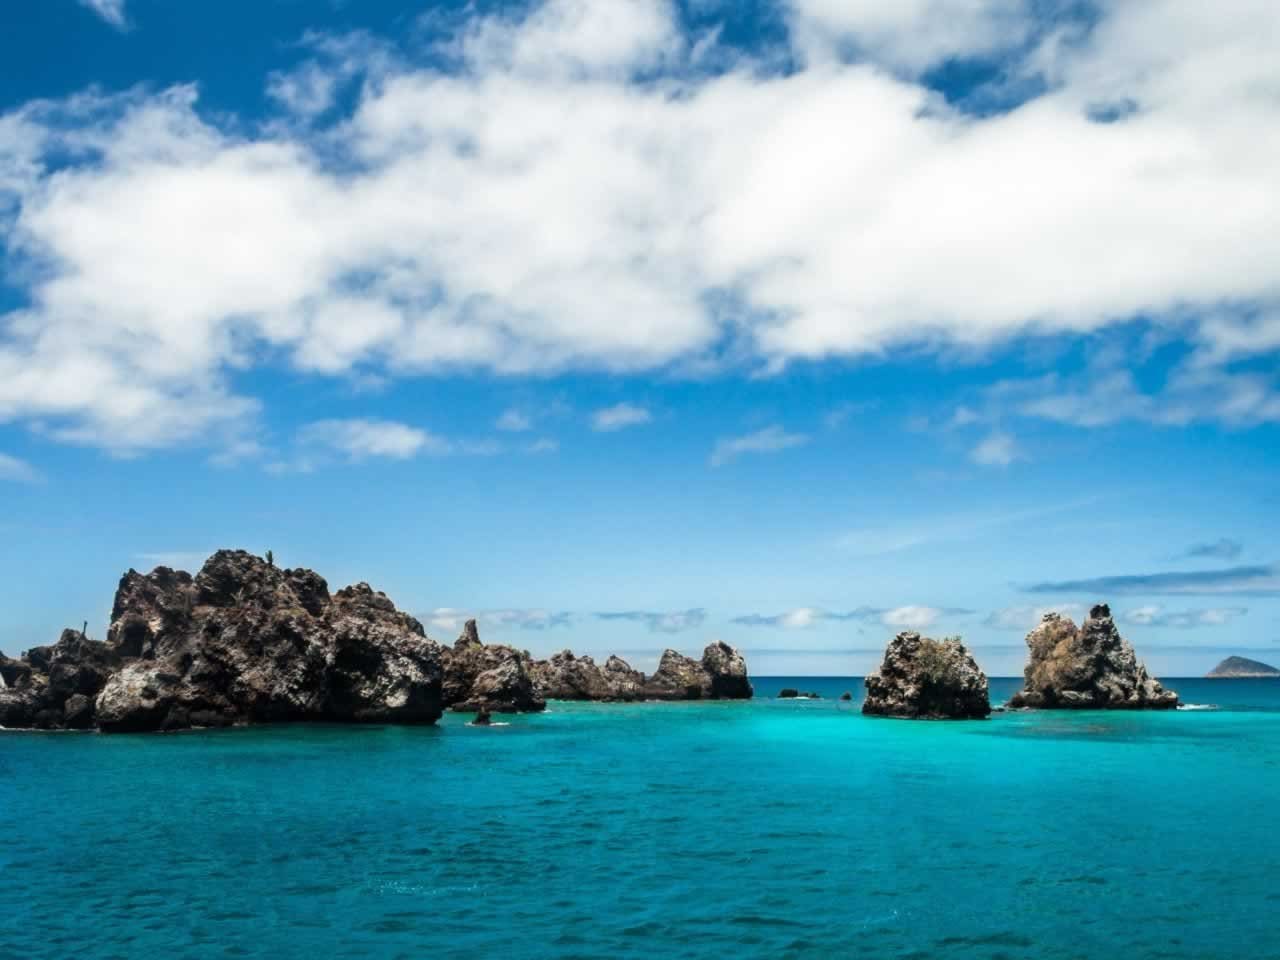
[(1090, 667), (923, 678), (244, 641), (1239, 668)]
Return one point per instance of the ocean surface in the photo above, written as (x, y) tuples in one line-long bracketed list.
[(763, 829)]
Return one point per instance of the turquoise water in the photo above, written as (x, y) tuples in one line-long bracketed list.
[(762, 829)]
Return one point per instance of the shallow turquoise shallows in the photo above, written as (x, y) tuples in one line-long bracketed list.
[(763, 829)]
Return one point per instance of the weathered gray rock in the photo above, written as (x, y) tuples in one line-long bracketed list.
[(791, 693), (493, 677), (50, 686), (727, 669), (1090, 667), (625, 683), (929, 679), (241, 642), (564, 676), (721, 674)]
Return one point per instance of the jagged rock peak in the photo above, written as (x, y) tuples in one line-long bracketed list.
[(925, 678), (1087, 667), (242, 641)]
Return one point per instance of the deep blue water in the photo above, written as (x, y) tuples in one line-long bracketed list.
[(762, 829)]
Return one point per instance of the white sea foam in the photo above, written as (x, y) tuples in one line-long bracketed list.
[(1197, 706)]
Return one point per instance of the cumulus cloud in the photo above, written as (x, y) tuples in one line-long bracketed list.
[(534, 208), (1247, 580), (359, 439), (17, 470), (674, 622), (1156, 616), (619, 417), (768, 440), (112, 11)]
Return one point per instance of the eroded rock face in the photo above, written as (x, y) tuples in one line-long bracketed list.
[(495, 677), (54, 686), (1090, 667), (925, 678), (243, 641), (721, 674)]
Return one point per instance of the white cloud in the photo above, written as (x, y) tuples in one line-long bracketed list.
[(112, 11), (1027, 616), (543, 445), (19, 471), (998, 449), (359, 439), (514, 421), (535, 211), (910, 34), (768, 440), (911, 617), (618, 417), (1153, 615), (675, 621), (450, 619)]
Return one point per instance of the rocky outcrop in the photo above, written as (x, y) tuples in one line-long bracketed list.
[(1090, 667), (564, 676), (241, 642), (54, 687), (1241, 668), (928, 679), (246, 642), (791, 693), (494, 677), (721, 674)]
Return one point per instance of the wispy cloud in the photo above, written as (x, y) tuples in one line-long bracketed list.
[(514, 421), (619, 417), (911, 617), (1026, 616), (452, 618), (543, 445), (998, 449), (19, 471), (1222, 549), (1246, 581), (956, 527), (674, 622), (1156, 616), (768, 440), (112, 11)]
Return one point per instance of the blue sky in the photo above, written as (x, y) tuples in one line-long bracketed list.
[(626, 325)]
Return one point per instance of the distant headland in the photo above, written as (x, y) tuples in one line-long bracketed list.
[(1235, 668)]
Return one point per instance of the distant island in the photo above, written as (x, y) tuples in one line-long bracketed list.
[(1234, 668)]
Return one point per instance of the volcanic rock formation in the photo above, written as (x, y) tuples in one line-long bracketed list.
[(243, 641), (1087, 667), (925, 678)]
